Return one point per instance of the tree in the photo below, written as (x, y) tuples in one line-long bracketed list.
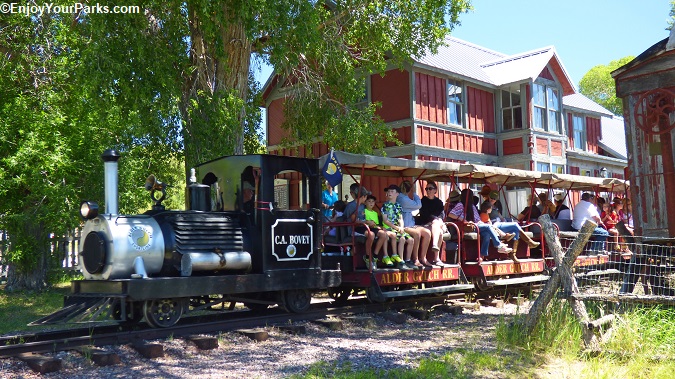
[(599, 86), (175, 80)]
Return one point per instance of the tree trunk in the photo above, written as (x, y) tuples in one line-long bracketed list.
[(217, 71), (35, 279)]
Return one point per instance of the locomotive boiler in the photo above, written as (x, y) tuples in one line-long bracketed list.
[(238, 241)]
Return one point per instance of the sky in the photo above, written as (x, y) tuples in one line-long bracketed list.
[(585, 33)]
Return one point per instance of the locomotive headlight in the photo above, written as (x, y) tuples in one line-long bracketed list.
[(88, 210)]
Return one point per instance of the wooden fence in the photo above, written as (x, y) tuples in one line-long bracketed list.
[(63, 248)]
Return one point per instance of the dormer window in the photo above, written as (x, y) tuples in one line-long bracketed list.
[(546, 100), (455, 103)]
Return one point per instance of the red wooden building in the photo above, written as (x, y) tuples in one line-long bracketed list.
[(469, 103)]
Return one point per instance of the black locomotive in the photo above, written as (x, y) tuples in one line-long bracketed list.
[(228, 246)]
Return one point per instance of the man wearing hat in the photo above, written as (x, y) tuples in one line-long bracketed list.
[(248, 193), (562, 211)]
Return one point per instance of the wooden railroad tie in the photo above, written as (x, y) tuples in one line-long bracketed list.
[(258, 335), (204, 343), (330, 323), (100, 357), (149, 350), (41, 363)]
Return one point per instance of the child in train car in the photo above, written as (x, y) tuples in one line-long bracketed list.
[(392, 219), (625, 216), (610, 217), (453, 199), (338, 211), (354, 212), (374, 222)]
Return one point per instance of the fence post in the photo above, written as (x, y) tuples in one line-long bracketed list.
[(562, 275)]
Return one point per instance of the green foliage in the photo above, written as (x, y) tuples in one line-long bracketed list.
[(27, 306), (599, 86), (332, 49)]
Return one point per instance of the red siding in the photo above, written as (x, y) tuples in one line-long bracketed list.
[(393, 92), (447, 139), (593, 134), (403, 134), (430, 98), (546, 74), (542, 146), (512, 146), (573, 170), (556, 148), (275, 117), (481, 110)]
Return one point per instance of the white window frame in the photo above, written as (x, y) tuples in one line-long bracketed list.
[(513, 108), (579, 134), (543, 167), (557, 168), (545, 104), (453, 104)]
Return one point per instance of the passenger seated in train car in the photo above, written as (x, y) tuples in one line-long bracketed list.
[(486, 192), (410, 202), (562, 211), (374, 221), (531, 212), (431, 217), (484, 213), (453, 198), (625, 217), (610, 217), (586, 210), (545, 206), (509, 227), (599, 203), (354, 212), (336, 216), (392, 219), (470, 215)]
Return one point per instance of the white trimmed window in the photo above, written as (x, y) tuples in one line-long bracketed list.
[(455, 103), (543, 167), (512, 114), (557, 168), (546, 100), (579, 132)]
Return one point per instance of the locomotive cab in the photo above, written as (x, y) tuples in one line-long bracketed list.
[(277, 200)]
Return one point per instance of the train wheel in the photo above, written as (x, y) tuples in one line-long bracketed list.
[(163, 313), (296, 301), (340, 295)]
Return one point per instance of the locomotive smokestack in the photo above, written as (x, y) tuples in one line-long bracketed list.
[(110, 158)]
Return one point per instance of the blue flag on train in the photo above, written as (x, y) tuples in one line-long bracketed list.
[(331, 170)]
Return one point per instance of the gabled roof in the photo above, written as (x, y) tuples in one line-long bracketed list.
[(491, 67), (580, 102), (462, 58), (613, 137)]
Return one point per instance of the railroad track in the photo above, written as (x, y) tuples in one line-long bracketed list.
[(101, 335)]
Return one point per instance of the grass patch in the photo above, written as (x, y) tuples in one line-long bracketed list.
[(642, 344), (19, 308), (456, 364)]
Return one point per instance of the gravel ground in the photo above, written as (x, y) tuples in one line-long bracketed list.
[(367, 342)]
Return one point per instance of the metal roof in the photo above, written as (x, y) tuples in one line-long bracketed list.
[(488, 66), (581, 102), (614, 136), (462, 58)]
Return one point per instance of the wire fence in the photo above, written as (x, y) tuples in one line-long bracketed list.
[(63, 250), (634, 271)]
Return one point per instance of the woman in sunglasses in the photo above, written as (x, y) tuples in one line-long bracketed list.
[(431, 217)]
